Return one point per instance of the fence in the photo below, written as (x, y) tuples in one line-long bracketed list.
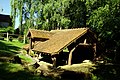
[(9, 36)]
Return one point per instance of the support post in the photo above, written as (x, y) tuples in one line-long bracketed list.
[(85, 41), (70, 56), (30, 46), (7, 36), (54, 61), (94, 47), (24, 39)]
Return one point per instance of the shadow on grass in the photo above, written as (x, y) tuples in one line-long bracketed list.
[(8, 50), (7, 73), (12, 71), (71, 75)]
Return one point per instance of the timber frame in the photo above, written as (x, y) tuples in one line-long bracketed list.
[(80, 41)]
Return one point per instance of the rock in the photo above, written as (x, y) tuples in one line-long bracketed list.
[(86, 61), (44, 65)]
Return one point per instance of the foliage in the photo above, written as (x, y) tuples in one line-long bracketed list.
[(10, 38), (101, 16), (16, 31), (104, 20), (1, 38), (8, 29), (20, 39), (51, 14)]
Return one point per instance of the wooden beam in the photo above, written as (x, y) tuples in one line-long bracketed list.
[(24, 39), (30, 42), (7, 36), (94, 47), (54, 61), (30, 45), (85, 41), (70, 56)]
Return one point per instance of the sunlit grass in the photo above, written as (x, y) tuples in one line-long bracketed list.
[(7, 47), (11, 67), (13, 71), (15, 42), (25, 58)]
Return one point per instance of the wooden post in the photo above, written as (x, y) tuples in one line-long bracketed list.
[(30, 45), (7, 36), (54, 61), (30, 42), (24, 39), (70, 56), (94, 47), (85, 41)]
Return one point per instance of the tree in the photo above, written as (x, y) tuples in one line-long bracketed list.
[(101, 16), (104, 19), (17, 11), (51, 14)]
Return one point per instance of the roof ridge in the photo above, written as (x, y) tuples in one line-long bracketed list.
[(38, 30), (69, 29)]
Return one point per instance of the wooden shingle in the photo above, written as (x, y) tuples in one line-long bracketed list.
[(32, 33), (60, 40)]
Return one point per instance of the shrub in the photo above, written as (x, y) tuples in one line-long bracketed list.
[(31, 53), (1, 35), (8, 29), (20, 39), (10, 38), (1, 38)]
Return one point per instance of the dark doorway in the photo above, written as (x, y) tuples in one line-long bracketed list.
[(81, 53)]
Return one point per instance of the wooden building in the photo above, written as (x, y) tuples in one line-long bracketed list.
[(80, 44), (36, 36), (5, 21)]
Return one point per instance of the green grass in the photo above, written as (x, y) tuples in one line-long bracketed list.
[(11, 67), (25, 58), (15, 42), (13, 71), (9, 49), (10, 71)]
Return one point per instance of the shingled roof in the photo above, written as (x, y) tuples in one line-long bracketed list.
[(60, 40), (39, 34)]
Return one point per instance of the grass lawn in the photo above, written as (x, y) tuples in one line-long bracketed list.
[(9, 48), (13, 71)]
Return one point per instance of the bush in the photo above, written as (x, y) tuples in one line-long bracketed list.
[(1, 38), (31, 53), (20, 39), (1, 35), (10, 38), (8, 29)]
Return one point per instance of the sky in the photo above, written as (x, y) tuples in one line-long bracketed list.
[(5, 5)]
